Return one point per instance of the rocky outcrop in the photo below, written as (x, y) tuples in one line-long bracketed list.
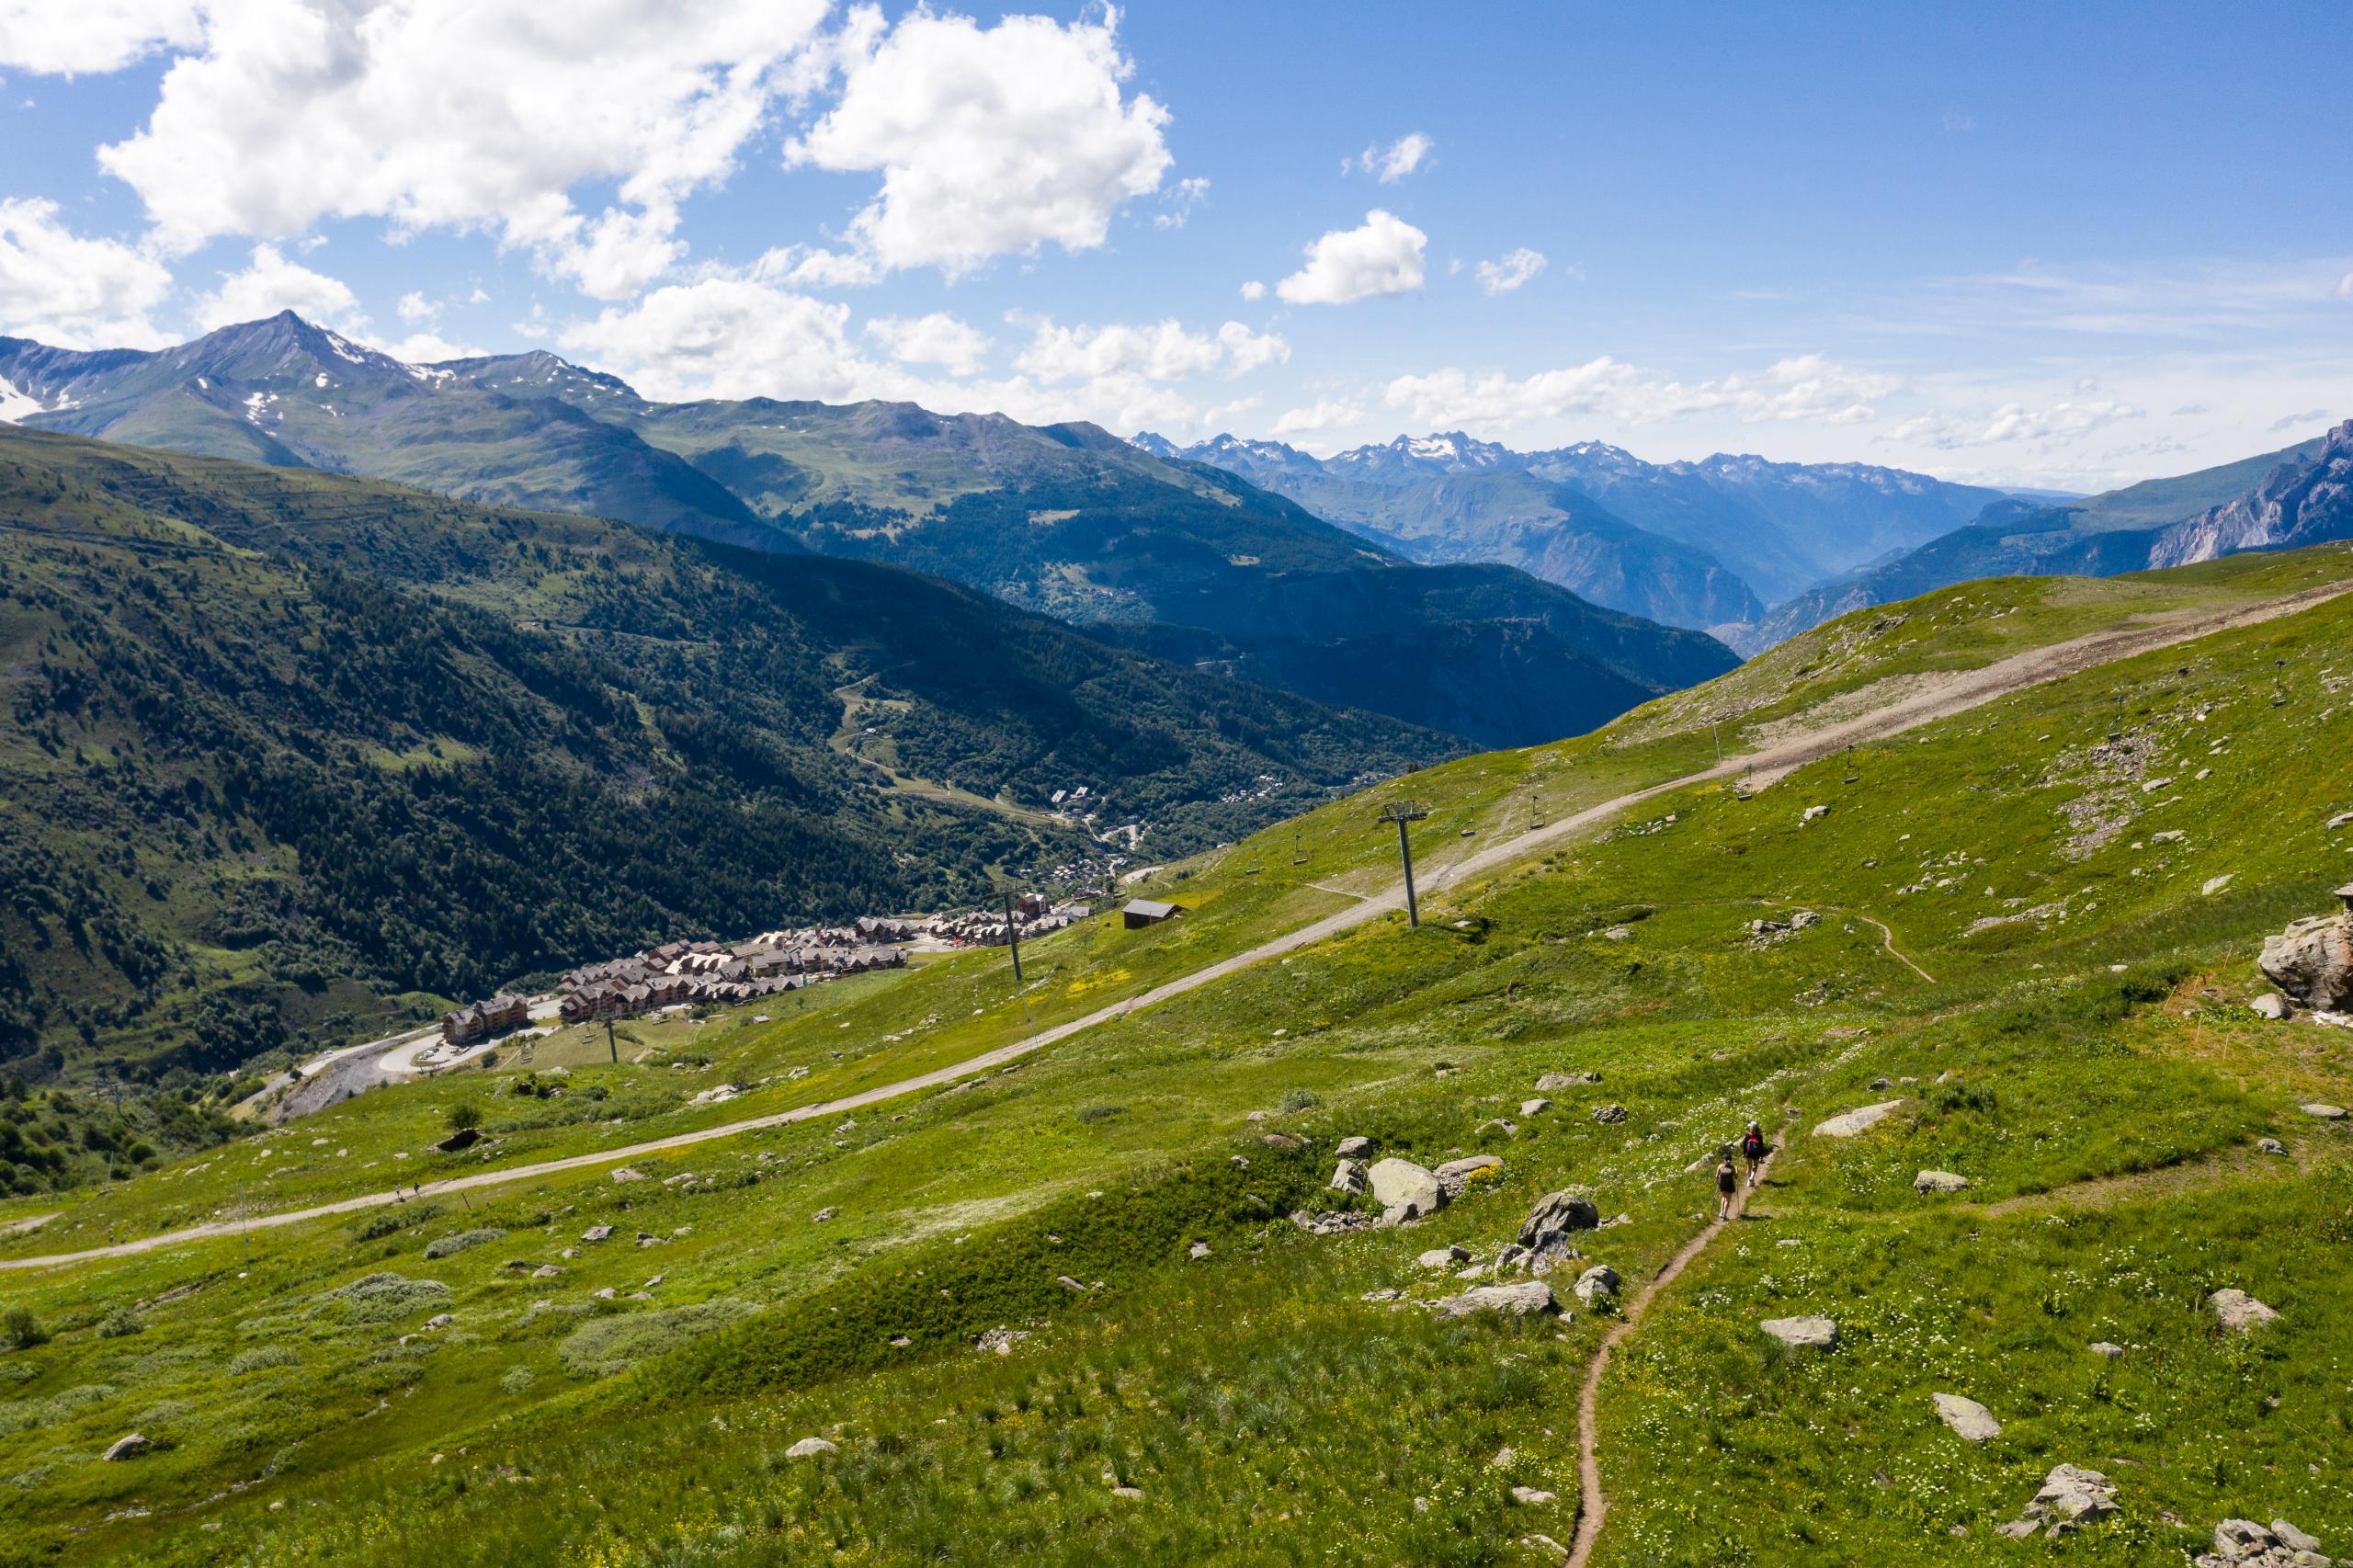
[(2243, 1543), (2300, 504), (1527, 1298), (2071, 1498), (2313, 961), (1545, 1232), (2238, 1311), (1860, 1119), (1456, 1176), (1406, 1191)]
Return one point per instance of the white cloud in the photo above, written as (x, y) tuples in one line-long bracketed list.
[(429, 348), (1182, 198), (989, 141), (729, 337), (479, 297), (93, 36), (1325, 414), (1159, 351), (2344, 286), (1807, 388), (1254, 291), (269, 284), (1382, 256), (1516, 268), (463, 113), (2053, 425), (935, 339), (414, 308), (813, 266), (1390, 163), (72, 292)]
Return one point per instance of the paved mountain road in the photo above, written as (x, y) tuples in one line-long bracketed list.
[(1940, 697)]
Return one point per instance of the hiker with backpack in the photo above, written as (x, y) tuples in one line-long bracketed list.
[(1754, 1149)]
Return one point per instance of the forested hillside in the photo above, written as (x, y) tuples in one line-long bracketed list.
[(285, 748)]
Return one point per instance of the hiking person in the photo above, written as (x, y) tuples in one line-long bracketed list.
[(1754, 1149), (1727, 1183)]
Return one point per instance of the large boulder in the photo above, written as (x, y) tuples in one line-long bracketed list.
[(2313, 961), (1349, 1177), (1600, 1283), (809, 1448), (1818, 1333), (1353, 1148), (1860, 1119), (1969, 1419), (1555, 1215), (2238, 1311), (1940, 1181), (1456, 1176), (1526, 1298), (2070, 1497), (1406, 1189), (126, 1446)]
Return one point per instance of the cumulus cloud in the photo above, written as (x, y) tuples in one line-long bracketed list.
[(1246, 350), (2344, 286), (1807, 387), (1390, 163), (268, 284), (990, 141), (473, 114), (1384, 255), (1159, 351), (71, 290), (727, 337), (1516, 268), (93, 36), (935, 339), (1178, 204), (1254, 291), (429, 348), (1325, 413), (2053, 425), (415, 307)]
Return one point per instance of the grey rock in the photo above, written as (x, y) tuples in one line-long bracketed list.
[(605, 1294), (1403, 1187), (1555, 1215), (2270, 1146), (2293, 1539), (1532, 1496), (1619, 933), (1001, 1341), (2238, 1311), (1525, 1298), (1804, 920), (127, 1447), (629, 1174), (2107, 1347), (1552, 1081), (1846, 1124), (1353, 1148), (821, 1215), (2323, 1110), (547, 1271), (1133, 1494), (1455, 1177), (1600, 1281), (2313, 961), (809, 1448), (2071, 1496), (1497, 1124), (1349, 1177), (1609, 1115), (1535, 1107), (1444, 1258), (2342, 819), (439, 1319), (1940, 1181), (596, 1233), (1817, 1333), (2216, 884), (1198, 1250), (1969, 1420), (2271, 1004)]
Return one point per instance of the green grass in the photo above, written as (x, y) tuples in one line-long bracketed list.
[(1264, 1408)]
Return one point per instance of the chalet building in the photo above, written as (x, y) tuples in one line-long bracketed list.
[(1139, 913), (478, 1021)]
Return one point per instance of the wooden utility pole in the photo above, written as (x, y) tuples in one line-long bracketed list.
[(1402, 812), (1013, 936), (611, 1047)]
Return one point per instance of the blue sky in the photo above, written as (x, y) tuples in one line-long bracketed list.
[(2030, 244)]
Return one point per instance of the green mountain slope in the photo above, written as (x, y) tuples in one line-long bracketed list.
[(1064, 519), (285, 746), (2010, 944)]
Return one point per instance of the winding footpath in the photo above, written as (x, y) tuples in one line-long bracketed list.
[(1592, 1505), (1940, 697)]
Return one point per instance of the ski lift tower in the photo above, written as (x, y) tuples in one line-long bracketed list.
[(1403, 813)]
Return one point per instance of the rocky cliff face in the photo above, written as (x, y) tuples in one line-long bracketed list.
[(2300, 504)]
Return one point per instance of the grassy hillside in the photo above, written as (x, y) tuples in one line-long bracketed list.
[(2081, 1054), (292, 753)]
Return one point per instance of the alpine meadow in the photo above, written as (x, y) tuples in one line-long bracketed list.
[(805, 783)]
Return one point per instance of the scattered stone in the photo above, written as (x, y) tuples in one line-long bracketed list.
[(821, 1215), (2342, 819), (1383, 1295), (1940, 1181), (1353, 1148), (1815, 813), (1609, 1115), (2243, 1543), (1804, 920), (2323, 1110), (1444, 1258), (2170, 836), (1554, 1081), (1818, 1333), (1456, 1176), (2216, 884), (1860, 1119), (2107, 1348), (128, 1447), (1883, 1082), (1599, 1281), (1532, 1496), (1406, 1189), (547, 1271), (1255, 1116), (1001, 1341), (439, 1319), (899, 1342), (1497, 1124), (629, 1174), (1969, 1420), (1334, 1222), (1545, 1231), (605, 1294), (1535, 1107), (2070, 1497), (1619, 933), (1534, 1542), (1279, 1140), (1200, 1250), (809, 1448), (2271, 1004), (2238, 1311), (1067, 1283), (2270, 1146), (1526, 1298), (596, 1233), (1133, 1494)]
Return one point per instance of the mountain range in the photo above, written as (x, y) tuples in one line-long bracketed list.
[(1707, 544), (1182, 558), (287, 744)]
